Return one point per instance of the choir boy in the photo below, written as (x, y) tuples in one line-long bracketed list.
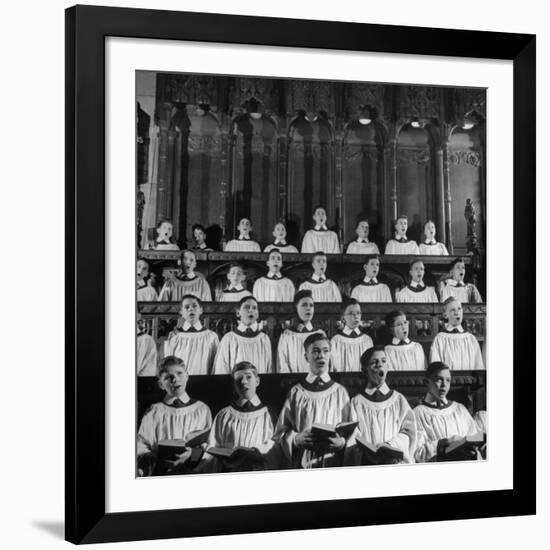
[(244, 243), (440, 421), (402, 353), (246, 422), (234, 290), (165, 239), (322, 289), (320, 238), (384, 415), (416, 291), (455, 287), (430, 247), (454, 346), (400, 244), (193, 342), (279, 241), (290, 349), (349, 344), (317, 399), (199, 236), (274, 287), (146, 351), (145, 290), (371, 289), (175, 417), (362, 245), (245, 343)]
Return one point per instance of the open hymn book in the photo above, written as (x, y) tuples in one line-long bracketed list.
[(379, 454), (168, 448), (343, 429), (237, 453), (463, 448)]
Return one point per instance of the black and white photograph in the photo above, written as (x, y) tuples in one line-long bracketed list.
[(311, 274)]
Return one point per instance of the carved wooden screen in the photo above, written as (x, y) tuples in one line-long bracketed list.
[(415, 176), (465, 174), (363, 180), (254, 191)]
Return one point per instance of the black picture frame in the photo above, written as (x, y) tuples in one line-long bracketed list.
[(86, 30)]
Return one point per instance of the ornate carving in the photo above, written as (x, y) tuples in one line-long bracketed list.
[(354, 152), (413, 154), (358, 94), (420, 101), (471, 99), (467, 157), (311, 96), (262, 90), (140, 207), (184, 88), (204, 143), (471, 221)]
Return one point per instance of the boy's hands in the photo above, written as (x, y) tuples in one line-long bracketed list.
[(180, 459), (304, 440)]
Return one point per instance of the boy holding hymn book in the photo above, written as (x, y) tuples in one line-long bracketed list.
[(349, 343), (188, 282), (192, 342), (322, 289), (241, 435), (446, 430), (386, 433), (320, 238), (235, 290), (416, 291), (402, 353), (274, 287), (455, 287), (243, 243), (290, 349), (314, 422), (370, 289), (245, 343), (453, 345), (173, 433)]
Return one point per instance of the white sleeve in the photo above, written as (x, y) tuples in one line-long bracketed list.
[(435, 351), (282, 354), (221, 361)]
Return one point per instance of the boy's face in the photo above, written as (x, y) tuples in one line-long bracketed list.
[(376, 369), (245, 227), (248, 312), (320, 216), (439, 384), (453, 312), (235, 276), (401, 226), (362, 230), (245, 383), (173, 380), (318, 356), (458, 271), (429, 231), (417, 272), (305, 309), (279, 232), (319, 264), (199, 236), (275, 262), (400, 328), (191, 310), (165, 231), (142, 269), (189, 262), (372, 267), (352, 316)]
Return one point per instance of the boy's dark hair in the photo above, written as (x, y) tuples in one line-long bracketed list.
[(456, 261), (245, 299), (400, 217), (318, 253), (244, 218), (348, 302), (315, 337), (361, 220), (198, 226), (171, 361), (192, 296), (321, 207), (366, 356), (235, 264), (370, 257), (274, 250), (244, 365), (435, 367), (392, 316), (427, 222), (301, 294), (415, 261)]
